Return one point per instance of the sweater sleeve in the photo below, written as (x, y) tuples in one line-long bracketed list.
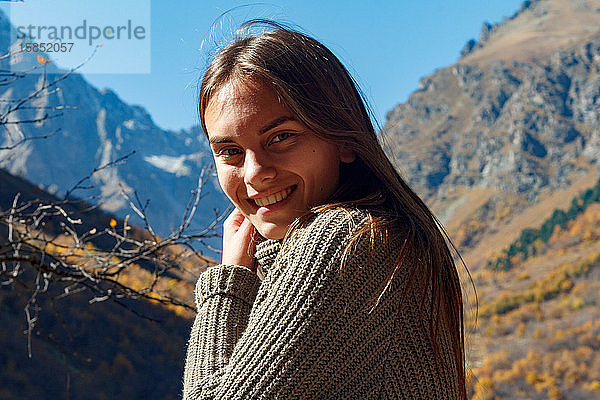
[(224, 295), (295, 341)]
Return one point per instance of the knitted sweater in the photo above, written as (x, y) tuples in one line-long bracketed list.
[(305, 332)]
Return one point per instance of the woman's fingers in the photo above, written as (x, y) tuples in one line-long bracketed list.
[(235, 219), (238, 243), (246, 229)]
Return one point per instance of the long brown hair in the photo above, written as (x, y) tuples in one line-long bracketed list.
[(322, 95)]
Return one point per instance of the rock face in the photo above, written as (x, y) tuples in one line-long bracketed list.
[(95, 127), (516, 126)]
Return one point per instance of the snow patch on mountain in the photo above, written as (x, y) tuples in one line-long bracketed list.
[(113, 187), (133, 125), (14, 158), (173, 165), (41, 102)]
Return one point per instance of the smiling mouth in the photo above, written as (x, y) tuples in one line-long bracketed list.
[(274, 198)]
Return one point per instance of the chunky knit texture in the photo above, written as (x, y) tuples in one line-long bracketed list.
[(305, 331)]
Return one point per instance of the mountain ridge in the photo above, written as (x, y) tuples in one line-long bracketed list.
[(538, 29), (94, 128), (495, 144), (518, 130)]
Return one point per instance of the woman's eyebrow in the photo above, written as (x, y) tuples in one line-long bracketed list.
[(276, 122), (266, 128), (220, 139)]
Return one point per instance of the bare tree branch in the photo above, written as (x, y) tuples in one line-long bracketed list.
[(27, 139), (50, 249)]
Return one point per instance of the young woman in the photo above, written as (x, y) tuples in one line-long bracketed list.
[(336, 280)]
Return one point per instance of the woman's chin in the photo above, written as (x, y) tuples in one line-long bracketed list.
[(271, 231)]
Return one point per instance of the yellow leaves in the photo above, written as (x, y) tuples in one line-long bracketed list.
[(543, 382), (584, 352), (554, 393), (544, 372), (531, 378), (142, 280), (58, 249), (566, 285), (41, 59), (560, 280), (589, 235), (593, 386), (113, 223), (497, 359), (490, 330), (588, 325), (115, 260), (533, 357), (577, 303), (523, 276), (559, 368), (484, 389), (521, 329), (575, 229), (154, 295), (50, 248), (557, 230)]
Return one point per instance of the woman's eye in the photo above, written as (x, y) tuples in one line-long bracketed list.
[(281, 137), (230, 152)]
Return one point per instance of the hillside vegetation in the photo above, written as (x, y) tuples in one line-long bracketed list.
[(81, 345), (538, 330)]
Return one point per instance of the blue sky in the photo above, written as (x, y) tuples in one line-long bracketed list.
[(387, 45)]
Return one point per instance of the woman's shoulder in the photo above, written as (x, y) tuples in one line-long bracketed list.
[(342, 216), (340, 226), (337, 223), (319, 226), (329, 234), (350, 220)]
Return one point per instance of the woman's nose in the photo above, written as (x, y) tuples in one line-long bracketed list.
[(258, 168)]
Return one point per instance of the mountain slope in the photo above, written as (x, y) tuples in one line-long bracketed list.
[(538, 331), (508, 132), (111, 353), (94, 128), (536, 31), (95, 350), (497, 143)]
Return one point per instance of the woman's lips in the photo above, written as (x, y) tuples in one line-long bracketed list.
[(273, 201), (274, 198)]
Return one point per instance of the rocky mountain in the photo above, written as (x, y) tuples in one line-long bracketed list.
[(513, 121), (504, 145), (91, 128)]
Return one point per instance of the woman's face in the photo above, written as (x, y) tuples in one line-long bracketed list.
[(271, 166)]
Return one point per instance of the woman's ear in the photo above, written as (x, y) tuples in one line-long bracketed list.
[(346, 155)]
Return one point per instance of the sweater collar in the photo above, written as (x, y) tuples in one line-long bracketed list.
[(266, 252)]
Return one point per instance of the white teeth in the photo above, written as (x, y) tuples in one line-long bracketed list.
[(274, 198)]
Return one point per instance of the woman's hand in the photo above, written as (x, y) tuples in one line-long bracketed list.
[(239, 241)]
